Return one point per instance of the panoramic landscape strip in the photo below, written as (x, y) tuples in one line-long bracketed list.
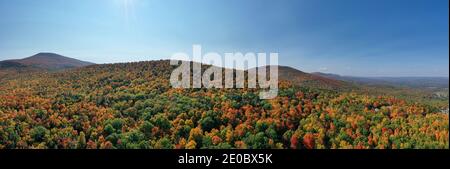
[(238, 74)]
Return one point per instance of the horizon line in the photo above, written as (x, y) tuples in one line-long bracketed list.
[(168, 59)]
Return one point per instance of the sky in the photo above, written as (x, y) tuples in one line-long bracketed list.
[(346, 37)]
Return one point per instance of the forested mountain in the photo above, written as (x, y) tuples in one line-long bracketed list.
[(40, 62), (46, 61), (132, 105)]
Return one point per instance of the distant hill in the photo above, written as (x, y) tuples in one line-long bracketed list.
[(47, 61), (412, 82), (39, 62)]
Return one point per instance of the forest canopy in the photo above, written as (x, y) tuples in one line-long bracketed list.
[(133, 106)]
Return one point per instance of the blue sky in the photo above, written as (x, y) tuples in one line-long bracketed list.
[(348, 37)]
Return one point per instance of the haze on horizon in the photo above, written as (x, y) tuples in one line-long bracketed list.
[(348, 37)]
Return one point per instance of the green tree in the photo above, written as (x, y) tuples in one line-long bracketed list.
[(38, 133)]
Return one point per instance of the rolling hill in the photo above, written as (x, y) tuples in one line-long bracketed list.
[(53, 62)]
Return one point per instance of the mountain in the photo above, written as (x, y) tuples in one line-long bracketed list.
[(39, 62), (47, 61)]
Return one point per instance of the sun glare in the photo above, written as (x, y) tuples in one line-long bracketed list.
[(128, 8)]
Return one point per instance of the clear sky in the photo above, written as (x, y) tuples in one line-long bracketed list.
[(348, 37)]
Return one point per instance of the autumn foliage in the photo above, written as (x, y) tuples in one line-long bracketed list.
[(132, 106)]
